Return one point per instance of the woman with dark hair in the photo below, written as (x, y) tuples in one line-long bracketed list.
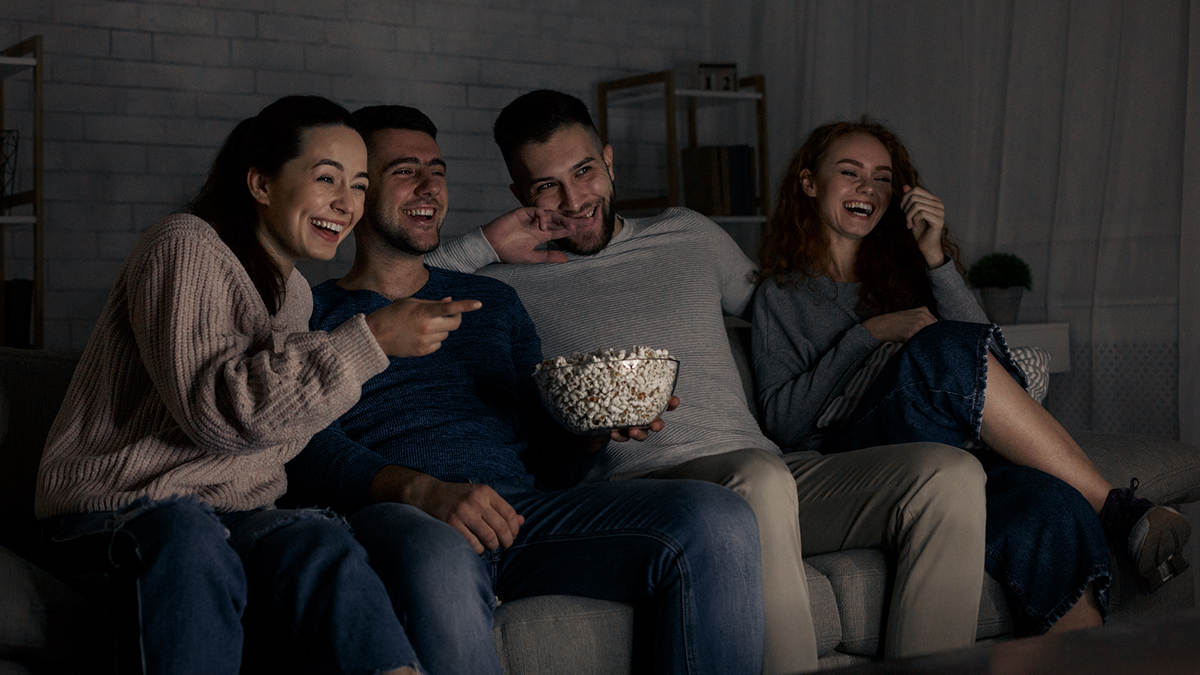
[(861, 279), (201, 379)]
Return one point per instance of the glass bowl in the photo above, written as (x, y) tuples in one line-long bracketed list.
[(596, 397)]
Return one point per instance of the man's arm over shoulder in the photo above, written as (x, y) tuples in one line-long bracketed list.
[(516, 237), (464, 253)]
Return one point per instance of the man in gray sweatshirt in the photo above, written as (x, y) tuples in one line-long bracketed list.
[(666, 282)]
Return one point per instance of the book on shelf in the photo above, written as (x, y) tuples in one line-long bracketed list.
[(718, 180)]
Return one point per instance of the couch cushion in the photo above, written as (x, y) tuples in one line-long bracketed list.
[(39, 615), (859, 579), (1168, 471), (32, 386), (826, 618), (554, 634), (994, 619), (566, 634)]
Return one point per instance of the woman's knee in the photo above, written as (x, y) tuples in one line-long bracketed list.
[(184, 560), (316, 535), (404, 539), (182, 535), (942, 343), (944, 334)]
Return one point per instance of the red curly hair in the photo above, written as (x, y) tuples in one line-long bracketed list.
[(889, 267)]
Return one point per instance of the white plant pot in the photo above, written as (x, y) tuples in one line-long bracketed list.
[(1002, 304)]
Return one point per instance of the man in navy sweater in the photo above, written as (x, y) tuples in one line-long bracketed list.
[(448, 437)]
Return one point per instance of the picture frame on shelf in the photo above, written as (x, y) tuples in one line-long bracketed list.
[(716, 76)]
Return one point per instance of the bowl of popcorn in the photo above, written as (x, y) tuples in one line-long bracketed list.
[(594, 393)]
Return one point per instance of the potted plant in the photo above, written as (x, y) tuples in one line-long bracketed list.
[(1001, 279)]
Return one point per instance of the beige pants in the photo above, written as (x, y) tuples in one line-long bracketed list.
[(923, 501)]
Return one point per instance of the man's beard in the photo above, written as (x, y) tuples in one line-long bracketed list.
[(599, 239), (387, 226)]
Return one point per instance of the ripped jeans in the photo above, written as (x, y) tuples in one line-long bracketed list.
[(1044, 542), (185, 589)]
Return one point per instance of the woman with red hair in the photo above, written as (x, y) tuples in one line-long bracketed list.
[(860, 279)]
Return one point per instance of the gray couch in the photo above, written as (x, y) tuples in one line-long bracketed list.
[(44, 626)]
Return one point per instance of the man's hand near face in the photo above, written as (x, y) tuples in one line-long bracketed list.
[(516, 235)]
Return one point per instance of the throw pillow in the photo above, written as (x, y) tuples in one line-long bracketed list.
[(1035, 363)]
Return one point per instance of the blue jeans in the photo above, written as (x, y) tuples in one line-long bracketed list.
[(1044, 540), (186, 589), (439, 587), (684, 553)]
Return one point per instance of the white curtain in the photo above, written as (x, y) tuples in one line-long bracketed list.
[(1065, 132)]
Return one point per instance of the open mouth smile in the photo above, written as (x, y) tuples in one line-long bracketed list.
[(420, 212), (328, 225), (584, 215), (861, 209)]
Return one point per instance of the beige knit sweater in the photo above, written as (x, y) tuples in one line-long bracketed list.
[(189, 387)]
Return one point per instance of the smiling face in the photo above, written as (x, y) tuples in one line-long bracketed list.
[(570, 173), (310, 205), (852, 187), (408, 196)]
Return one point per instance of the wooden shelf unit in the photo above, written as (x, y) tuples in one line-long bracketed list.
[(18, 58), (752, 88)]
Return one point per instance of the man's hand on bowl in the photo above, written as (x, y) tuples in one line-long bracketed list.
[(642, 433)]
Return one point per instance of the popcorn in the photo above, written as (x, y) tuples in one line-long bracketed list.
[(607, 389)]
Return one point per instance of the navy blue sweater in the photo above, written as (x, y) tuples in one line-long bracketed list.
[(460, 414)]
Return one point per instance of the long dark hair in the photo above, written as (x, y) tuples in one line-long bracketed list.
[(266, 142), (889, 266)]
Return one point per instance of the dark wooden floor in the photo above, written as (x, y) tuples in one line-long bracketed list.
[(1166, 645)]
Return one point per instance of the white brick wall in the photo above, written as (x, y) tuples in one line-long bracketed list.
[(138, 95)]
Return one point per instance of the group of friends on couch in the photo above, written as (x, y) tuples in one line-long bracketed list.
[(393, 417)]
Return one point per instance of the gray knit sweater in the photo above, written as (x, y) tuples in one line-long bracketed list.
[(189, 387), (808, 341), (662, 282)]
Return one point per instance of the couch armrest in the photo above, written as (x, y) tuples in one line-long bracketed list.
[(1168, 471), (40, 617), (32, 385)]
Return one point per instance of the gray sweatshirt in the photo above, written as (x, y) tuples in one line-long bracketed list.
[(663, 282), (808, 341)]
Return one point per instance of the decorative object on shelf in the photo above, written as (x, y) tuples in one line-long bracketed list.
[(718, 180), (716, 76), (1002, 278), (8, 166), (660, 86)]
